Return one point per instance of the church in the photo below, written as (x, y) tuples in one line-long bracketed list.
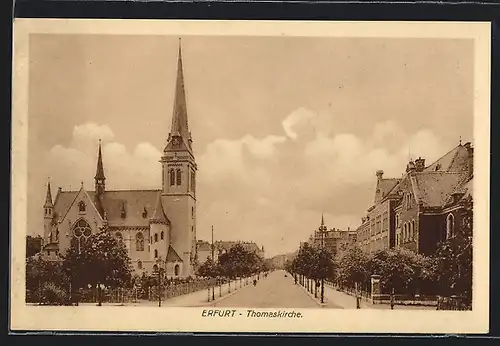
[(157, 227)]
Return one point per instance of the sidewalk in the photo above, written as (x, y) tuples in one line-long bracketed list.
[(347, 301)]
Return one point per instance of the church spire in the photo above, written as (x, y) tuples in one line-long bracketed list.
[(48, 197), (179, 131), (99, 175)]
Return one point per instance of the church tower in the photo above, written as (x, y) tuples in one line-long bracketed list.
[(179, 179), (47, 216), (100, 183)]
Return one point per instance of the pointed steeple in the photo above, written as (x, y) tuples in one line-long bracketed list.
[(48, 198), (322, 220), (99, 174), (179, 131)]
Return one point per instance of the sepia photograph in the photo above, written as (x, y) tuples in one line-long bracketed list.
[(250, 177)]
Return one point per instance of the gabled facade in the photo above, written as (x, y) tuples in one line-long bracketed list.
[(157, 227), (420, 209)]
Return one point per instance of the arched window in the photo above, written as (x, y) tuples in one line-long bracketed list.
[(155, 268), (405, 230), (192, 212), (179, 177), (139, 265), (172, 177), (156, 237), (119, 237), (81, 232), (450, 226), (156, 253), (81, 206), (176, 270), (397, 220), (162, 235), (139, 242), (413, 231)]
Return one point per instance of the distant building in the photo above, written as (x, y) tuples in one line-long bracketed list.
[(204, 251), (220, 247), (335, 240), (421, 208), (279, 261)]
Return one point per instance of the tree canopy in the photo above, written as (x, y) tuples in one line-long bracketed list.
[(99, 260)]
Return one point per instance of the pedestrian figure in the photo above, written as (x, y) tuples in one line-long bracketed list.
[(254, 282), (392, 299)]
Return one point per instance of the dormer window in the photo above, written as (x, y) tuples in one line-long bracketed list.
[(81, 207)]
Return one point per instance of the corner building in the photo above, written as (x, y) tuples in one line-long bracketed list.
[(158, 227)]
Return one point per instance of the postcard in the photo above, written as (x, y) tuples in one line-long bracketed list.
[(250, 176)]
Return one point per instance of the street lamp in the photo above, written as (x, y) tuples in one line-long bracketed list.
[(322, 230), (158, 271)]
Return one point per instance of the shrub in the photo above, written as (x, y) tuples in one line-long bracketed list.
[(53, 295)]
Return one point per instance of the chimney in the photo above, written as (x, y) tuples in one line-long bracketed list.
[(419, 164), (470, 161), (379, 174), (410, 167)]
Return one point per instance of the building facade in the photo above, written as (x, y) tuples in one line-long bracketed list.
[(157, 227), (336, 240), (420, 209)]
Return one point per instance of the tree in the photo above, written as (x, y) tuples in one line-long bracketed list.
[(238, 262), (353, 267), (33, 245), (208, 269), (100, 260), (39, 274)]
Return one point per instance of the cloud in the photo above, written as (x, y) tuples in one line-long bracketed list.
[(124, 168), (300, 116), (271, 190)]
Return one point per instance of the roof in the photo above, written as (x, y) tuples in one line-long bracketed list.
[(134, 202), (227, 245), (172, 255), (433, 188), (159, 214), (453, 161), (203, 245), (386, 185)]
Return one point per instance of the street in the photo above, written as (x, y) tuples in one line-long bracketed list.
[(275, 291)]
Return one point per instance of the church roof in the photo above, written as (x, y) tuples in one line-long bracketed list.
[(386, 185), (159, 214), (172, 255), (433, 188), (134, 202), (453, 161)]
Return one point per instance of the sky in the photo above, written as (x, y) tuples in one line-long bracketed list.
[(284, 129)]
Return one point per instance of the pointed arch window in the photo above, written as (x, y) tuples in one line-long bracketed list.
[(156, 237), (156, 254), (176, 270), (162, 235), (172, 177), (450, 226), (119, 237), (81, 232), (405, 230), (413, 231), (139, 242), (178, 177), (139, 265)]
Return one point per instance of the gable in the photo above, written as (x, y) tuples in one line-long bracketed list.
[(67, 208)]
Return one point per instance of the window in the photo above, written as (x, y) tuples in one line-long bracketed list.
[(413, 231), (119, 237), (156, 253), (161, 235), (139, 242), (156, 237), (81, 232), (139, 265), (179, 177), (81, 207), (404, 232), (450, 226), (176, 270), (155, 268), (192, 212), (172, 177)]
